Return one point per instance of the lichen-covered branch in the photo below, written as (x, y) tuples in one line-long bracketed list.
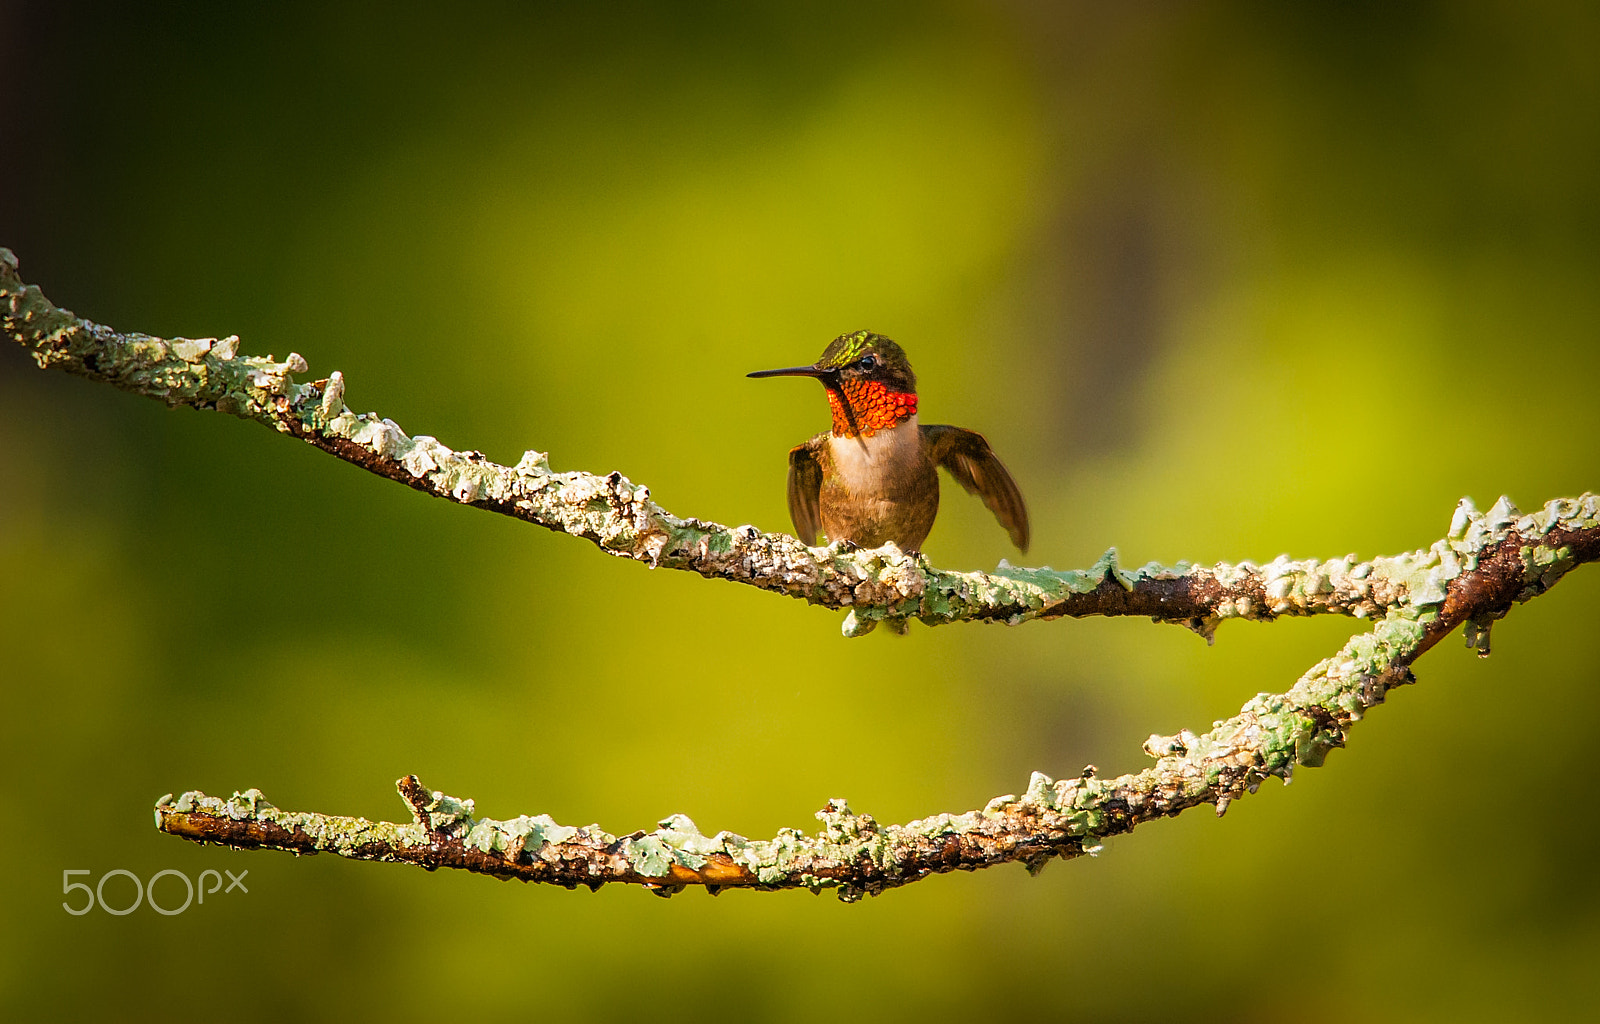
[(619, 517), (1490, 562)]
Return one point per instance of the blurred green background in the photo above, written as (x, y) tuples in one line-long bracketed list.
[(1218, 281)]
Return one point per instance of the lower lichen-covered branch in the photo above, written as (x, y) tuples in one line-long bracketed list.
[(619, 517), (1496, 566)]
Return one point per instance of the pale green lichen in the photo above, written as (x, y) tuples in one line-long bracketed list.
[(522, 834), (856, 623), (445, 812), (346, 837), (648, 856)]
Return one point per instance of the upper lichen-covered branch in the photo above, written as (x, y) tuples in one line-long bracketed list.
[(619, 517), (1492, 561)]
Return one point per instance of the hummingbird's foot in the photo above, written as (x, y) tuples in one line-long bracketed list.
[(847, 546)]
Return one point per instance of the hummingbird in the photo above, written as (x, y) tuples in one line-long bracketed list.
[(873, 478)]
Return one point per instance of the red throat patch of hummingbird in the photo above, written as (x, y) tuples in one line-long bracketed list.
[(874, 405)]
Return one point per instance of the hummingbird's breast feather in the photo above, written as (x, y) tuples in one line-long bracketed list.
[(868, 465), (880, 488)]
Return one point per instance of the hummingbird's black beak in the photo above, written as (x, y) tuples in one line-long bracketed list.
[(821, 373)]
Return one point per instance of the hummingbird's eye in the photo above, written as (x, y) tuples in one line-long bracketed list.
[(868, 361)]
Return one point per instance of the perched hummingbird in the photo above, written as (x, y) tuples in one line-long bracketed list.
[(873, 478)]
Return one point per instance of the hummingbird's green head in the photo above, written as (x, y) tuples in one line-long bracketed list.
[(869, 381), (865, 356)]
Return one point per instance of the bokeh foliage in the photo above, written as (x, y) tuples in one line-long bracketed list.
[(1217, 281)]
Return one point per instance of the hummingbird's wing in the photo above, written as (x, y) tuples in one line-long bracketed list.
[(973, 463), (805, 488)]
